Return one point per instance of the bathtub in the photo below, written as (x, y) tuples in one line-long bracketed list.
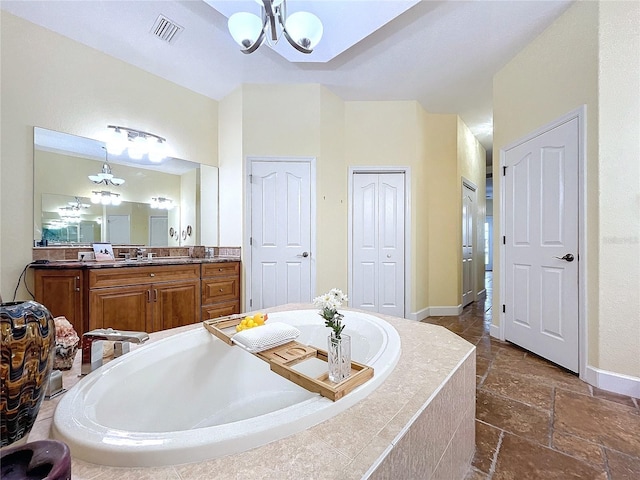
[(191, 397)]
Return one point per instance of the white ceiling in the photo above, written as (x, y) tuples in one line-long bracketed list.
[(441, 53)]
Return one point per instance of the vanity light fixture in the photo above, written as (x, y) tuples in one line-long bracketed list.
[(106, 198), (106, 176), (162, 203), (303, 30), (137, 143)]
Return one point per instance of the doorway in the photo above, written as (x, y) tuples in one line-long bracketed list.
[(542, 279), (377, 241), (281, 231), (468, 241)]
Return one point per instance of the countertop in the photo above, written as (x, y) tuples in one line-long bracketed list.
[(92, 264), (343, 447)]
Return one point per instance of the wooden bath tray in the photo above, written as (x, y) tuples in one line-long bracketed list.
[(283, 358)]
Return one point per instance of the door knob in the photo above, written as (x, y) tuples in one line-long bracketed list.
[(568, 257), (304, 255)]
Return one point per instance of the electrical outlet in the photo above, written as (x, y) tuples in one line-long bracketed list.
[(86, 256)]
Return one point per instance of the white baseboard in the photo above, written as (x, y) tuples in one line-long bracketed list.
[(419, 315), (482, 293), (495, 331), (613, 382), (445, 311)]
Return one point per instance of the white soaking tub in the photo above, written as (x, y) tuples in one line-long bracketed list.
[(191, 397)]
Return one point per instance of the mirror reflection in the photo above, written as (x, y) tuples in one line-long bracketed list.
[(83, 195)]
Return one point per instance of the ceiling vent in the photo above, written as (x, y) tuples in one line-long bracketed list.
[(166, 29)]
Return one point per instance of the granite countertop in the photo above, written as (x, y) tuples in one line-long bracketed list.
[(62, 264), (343, 447)]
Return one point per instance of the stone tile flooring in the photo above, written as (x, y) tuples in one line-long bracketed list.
[(535, 420)]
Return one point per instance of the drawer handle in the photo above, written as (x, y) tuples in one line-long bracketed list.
[(219, 269), (221, 290), (152, 274)]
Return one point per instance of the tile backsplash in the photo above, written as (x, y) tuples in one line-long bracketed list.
[(71, 253)]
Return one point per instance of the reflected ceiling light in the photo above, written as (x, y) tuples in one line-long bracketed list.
[(77, 205), (303, 30), (162, 203), (106, 176), (106, 198), (137, 143)]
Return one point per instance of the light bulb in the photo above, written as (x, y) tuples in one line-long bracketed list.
[(157, 151), (305, 29), (245, 28), (105, 199), (115, 200), (137, 148), (117, 141), (95, 197)]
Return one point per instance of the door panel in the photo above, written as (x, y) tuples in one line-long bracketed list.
[(541, 226), (378, 242), (280, 233), (468, 214)]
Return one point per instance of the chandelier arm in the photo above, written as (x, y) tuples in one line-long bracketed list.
[(293, 43), (270, 13), (252, 48), (282, 15)]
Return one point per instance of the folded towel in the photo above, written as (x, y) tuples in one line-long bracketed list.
[(265, 337)]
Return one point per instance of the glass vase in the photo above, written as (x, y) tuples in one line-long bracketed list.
[(339, 358), (28, 343)]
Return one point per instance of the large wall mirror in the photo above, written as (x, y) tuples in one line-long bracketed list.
[(170, 203)]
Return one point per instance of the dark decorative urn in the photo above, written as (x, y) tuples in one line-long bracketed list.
[(28, 347)]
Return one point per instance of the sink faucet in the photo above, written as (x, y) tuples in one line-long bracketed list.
[(92, 345)]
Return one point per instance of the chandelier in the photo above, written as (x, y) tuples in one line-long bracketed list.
[(137, 143), (106, 176), (106, 198), (303, 30)]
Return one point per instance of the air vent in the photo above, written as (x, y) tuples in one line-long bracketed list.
[(166, 29)]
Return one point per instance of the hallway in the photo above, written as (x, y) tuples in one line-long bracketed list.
[(535, 420)]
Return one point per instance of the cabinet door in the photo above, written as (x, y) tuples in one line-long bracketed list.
[(216, 290), (175, 304), (121, 308), (61, 292)]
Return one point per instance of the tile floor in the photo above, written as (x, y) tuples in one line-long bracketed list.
[(535, 420)]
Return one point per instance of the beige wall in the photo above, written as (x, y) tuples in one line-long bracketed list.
[(444, 216), (618, 314), (588, 56), (53, 82)]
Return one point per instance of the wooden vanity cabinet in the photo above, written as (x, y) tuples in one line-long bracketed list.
[(149, 298), (220, 289), (63, 293)]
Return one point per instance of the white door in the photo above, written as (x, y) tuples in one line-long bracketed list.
[(280, 233), (378, 202), (468, 212), (541, 245), (158, 228), (118, 229)]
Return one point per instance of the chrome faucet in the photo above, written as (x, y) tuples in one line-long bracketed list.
[(92, 345)]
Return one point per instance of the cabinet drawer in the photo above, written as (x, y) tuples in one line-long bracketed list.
[(220, 310), (222, 269), (118, 276), (220, 290)]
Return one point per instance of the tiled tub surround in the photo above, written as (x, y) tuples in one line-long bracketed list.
[(417, 425)]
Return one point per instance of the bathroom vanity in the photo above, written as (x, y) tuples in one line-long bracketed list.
[(149, 295)]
